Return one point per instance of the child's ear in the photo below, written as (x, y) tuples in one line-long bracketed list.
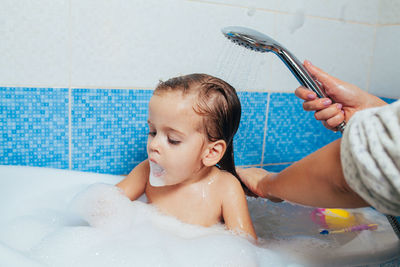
[(214, 153)]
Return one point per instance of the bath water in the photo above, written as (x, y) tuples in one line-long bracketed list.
[(102, 227), (64, 218)]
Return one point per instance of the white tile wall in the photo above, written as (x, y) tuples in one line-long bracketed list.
[(34, 43), (341, 49), (362, 11), (137, 43), (132, 43), (389, 12), (385, 78)]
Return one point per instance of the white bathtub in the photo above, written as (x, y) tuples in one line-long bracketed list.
[(285, 229)]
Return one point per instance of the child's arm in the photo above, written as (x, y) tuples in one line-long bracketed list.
[(106, 206), (134, 184), (234, 209)]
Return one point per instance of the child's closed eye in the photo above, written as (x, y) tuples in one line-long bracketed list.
[(173, 141), (152, 133)]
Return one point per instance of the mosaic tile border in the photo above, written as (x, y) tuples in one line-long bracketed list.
[(34, 127), (109, 131)]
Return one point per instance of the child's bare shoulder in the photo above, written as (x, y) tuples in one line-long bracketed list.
[(229, 182)]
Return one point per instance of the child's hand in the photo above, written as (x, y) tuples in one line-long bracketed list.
[(348, 98), (254, 179)]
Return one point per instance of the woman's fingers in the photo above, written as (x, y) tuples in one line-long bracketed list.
[(251, 177), (311, 101), (317, 104), (324, 78), (335, 121), (305, 94), (329, 112), (331, 116)]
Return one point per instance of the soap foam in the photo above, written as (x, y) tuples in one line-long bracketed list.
[(157, 175), (103, 206), (37, 229), (144, 238)]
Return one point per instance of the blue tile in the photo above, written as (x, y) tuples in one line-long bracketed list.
[(292, 133), (389, 100), (34, 127), (275, 167), (109, 129), (248, 141)]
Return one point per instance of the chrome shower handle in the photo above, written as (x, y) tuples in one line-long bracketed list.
[(304, 77), (260, 42)]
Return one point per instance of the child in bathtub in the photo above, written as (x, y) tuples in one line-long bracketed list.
[(190, 172)]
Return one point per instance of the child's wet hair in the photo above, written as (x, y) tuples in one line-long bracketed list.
[(218, 104)]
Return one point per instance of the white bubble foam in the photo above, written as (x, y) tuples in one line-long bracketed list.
[(39, 227), (145, 237), (156, 177), (11, 257), (104, 206)]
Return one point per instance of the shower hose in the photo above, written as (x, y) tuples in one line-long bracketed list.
[(394, 222)]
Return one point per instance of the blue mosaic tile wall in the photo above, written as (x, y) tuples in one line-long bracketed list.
[(292, 133), (109, 129), (248, 141), (34, 127), (105, 130)]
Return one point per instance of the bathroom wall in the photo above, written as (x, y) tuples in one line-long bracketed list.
[(76, 76)]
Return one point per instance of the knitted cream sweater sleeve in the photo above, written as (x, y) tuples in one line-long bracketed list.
[(370, 156)]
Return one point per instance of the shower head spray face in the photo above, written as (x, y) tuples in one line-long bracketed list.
[(260, 42), (251, 39)]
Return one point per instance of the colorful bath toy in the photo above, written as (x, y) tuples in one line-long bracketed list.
[(333, 218), (356, 228)]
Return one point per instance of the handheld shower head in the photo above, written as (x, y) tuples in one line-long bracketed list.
[(251, 39), (260, 42)]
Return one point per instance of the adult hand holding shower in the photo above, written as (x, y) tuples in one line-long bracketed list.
[(348, 98), (345, 171), (323, 169), (260, 42)]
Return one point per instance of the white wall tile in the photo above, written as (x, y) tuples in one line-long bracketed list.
[(271, 5), (341, 49), (389, 12), (127, 44), (385, 78), (365, 11), (34, 43)]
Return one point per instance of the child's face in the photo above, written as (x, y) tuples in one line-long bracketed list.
[(176, 140)]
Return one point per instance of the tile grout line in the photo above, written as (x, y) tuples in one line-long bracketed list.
[(267, 108), (265, 128), (32, 86), (249, 166), (279, 163), (81, 87), (69, 52), (70, 129), (289, 13), (264, 165)]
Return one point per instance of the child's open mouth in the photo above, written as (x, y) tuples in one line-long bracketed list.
[(156, 174)]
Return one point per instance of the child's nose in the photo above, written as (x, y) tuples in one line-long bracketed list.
[(154, 144)]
